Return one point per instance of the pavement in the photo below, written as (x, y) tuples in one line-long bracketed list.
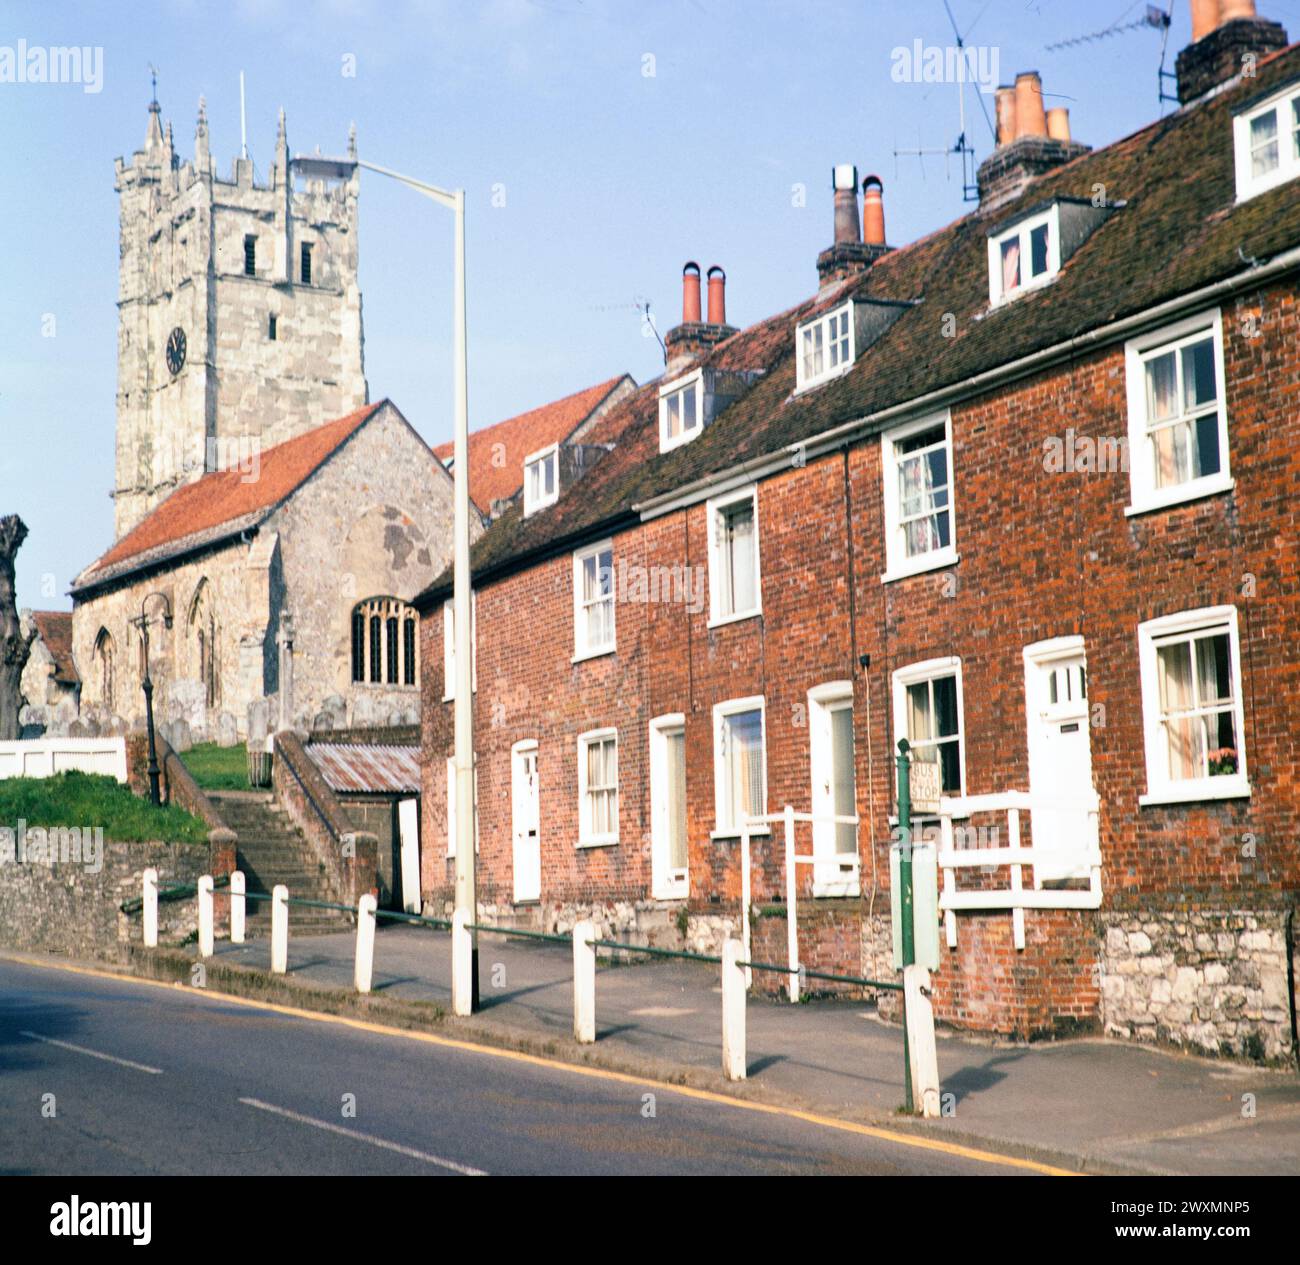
[(1090, 1105), (111, 1076), (1094, 1104)]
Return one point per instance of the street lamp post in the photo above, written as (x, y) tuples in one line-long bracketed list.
[(142, 623), (466, 878)]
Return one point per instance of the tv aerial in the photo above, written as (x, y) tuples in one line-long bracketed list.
[(961, 147), (1154, 18)]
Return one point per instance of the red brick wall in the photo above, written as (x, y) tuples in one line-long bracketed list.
[(1041, 555)]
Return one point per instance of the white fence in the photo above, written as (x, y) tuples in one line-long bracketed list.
[(823, 860), (44, 757), (1082, 859)]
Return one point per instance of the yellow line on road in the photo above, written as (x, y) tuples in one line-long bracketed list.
[(954, 1149)]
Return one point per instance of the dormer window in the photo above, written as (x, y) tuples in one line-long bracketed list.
[(1026, 256), (1267, 143), (824, 347), (541, 479), (681, 411)]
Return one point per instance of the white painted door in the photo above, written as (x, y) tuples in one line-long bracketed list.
[(834, 790), (408, 824), (526, 811), (1063, 820), (669, 859)]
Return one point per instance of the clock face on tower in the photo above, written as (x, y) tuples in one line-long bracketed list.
[(176, 350)]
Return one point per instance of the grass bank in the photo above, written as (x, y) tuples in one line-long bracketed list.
[(92, 800), (217, 768)]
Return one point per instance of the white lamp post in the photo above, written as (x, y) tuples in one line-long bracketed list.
[(466, 884)]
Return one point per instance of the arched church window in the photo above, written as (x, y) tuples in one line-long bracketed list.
[(104, 670), (384, 642), (204, 636)]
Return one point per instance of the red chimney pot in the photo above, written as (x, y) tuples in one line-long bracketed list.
[(873, 212), (717, 296), (691, 293)]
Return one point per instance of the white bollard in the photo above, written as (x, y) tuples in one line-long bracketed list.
[(279, 929), (462, 964), (237, 907), (584, 981), (150, 910), (921, 1051), (205, 916), (733, 1010), (365, 964)]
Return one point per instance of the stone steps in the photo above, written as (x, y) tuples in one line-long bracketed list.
[(272, 851)]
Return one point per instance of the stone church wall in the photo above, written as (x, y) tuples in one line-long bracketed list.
[(240, 589), (375, 521)]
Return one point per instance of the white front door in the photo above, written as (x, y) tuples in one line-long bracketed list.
[(834, 789), (526, 812), (408, 824), (1063, 820), (668, 808)]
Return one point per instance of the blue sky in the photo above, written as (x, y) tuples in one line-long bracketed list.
[(612, 177)]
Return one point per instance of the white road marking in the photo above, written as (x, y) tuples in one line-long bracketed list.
[(357, 1136), (662, 1012), (94, 1054)]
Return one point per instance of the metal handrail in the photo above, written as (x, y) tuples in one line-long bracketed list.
[(166, 894)]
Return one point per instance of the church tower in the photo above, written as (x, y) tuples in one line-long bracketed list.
[(239, 311)]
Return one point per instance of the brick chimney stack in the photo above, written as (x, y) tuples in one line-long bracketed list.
[(1224, 34), (848, 254), (694, 336), (1031, 141)]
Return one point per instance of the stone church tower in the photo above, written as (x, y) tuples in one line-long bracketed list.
[(239, 312)]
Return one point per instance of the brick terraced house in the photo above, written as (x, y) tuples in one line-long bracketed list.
[(1022, 492)]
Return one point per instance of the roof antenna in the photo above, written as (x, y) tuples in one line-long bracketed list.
[(1155, 18), (962, 145), (648, 320)]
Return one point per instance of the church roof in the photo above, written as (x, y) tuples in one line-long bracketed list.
[(497, 452), (55, 630), (223, 502)]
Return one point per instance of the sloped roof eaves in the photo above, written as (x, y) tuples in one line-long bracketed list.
[(94, 581), (367, 768), (1181, 230)]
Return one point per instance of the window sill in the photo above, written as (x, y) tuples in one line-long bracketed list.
[(722, 620), (838, 372), (582, 656), (830, 891), (727, 836), (674, 897), (667, 445), (1196, 792), (385, 685), (933, 561), (597, 843), (1006, 297), (1216, 485)]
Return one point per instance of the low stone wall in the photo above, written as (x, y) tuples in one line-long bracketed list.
[(649, 922), (1214, 981), (67, 908)]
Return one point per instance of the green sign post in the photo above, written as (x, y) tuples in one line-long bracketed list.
[(905, 894)]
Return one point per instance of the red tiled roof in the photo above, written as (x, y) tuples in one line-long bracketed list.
[(55, 630), (496, 453), (227, 495)]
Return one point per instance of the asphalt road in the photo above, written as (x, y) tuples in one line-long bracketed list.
[(150, 1080)]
